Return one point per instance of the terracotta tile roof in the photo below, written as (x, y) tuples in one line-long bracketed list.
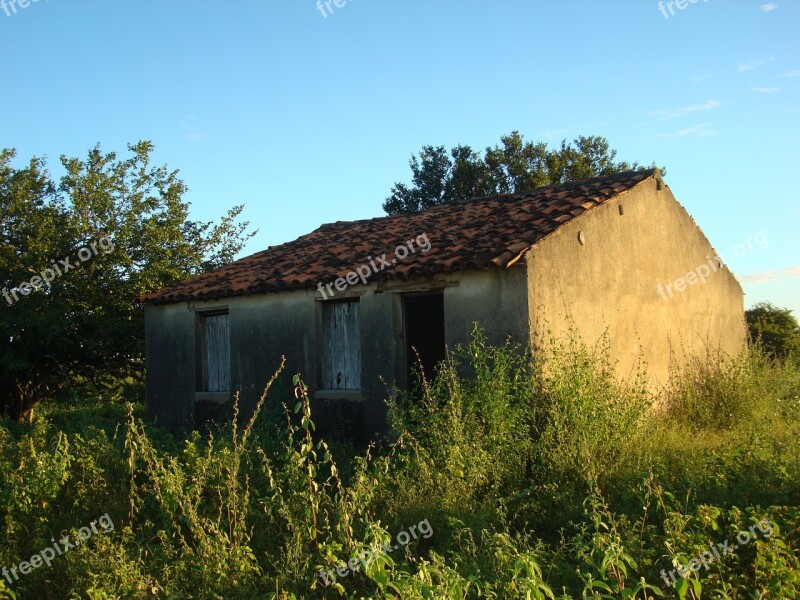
[(475, 234)]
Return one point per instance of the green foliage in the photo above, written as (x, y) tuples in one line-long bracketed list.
[(584, 419), (465, 443), (776, 329), (540, 479), (515, 165), (85, 324)]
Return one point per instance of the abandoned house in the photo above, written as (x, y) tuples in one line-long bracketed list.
[(352, 304)]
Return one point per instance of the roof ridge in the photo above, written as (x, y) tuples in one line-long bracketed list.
[(516, 195), (650, 171)]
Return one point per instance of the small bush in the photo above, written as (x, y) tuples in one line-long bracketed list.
[(775, 330)]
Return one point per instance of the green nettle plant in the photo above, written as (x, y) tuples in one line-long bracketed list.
[(5, 593), (541, 479)]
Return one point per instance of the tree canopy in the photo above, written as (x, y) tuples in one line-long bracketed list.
[(775, 328), (514, 165), (74, 256)]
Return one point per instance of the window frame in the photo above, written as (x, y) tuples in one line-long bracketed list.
[(204, 357), (346, 348)]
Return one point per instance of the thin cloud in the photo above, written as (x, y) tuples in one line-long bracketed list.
[(696, 131), (754, 64), (775, 275), (677, 112), (556, 133), (795, 73), (190, 131), (763, 90), (769, 7)]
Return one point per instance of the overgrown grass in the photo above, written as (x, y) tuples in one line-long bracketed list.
[(539, 479)]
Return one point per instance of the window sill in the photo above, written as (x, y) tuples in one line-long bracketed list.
[(215, 397), (352, 395)]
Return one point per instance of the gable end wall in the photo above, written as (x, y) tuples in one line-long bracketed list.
[(611, 283)]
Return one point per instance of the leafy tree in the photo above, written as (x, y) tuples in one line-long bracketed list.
[(514, 165), (129, 220), (439, 177), (776, 328)]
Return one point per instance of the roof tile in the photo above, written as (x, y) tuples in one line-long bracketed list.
[(475, 234)]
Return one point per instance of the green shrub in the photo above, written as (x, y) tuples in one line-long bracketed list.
[(540, 478), (775, 329)]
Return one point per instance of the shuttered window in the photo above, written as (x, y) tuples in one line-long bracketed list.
[(216, 353), (341, 348)]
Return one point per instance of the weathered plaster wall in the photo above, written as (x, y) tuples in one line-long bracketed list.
[(262, 328), (495, 299), (611, 282), (170, 364), (381, 321)]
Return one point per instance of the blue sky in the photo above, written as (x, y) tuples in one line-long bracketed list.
[(309, 119)]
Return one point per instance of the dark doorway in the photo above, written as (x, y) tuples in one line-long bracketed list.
[(424, 330)]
